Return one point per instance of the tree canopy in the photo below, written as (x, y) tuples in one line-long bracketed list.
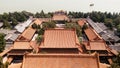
[(74, 26), (46, 25), (116, 62), (2, 42)]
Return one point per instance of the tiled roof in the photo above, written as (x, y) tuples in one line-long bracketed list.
[(21, 45), (21, 27), (81, 22), (109, 35), (60, 17), (95, 26), (101, 25), (37, 21), (60, 61), (11, 36), (6, 51), (6, 31), (27, 34), (59, 38), (95, 45), (34, 45), (45, 19), (91, 34)]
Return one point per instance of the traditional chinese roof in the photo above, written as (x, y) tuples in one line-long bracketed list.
[(21, 45), (60, 17), (27, 34), (37, 21), (81, 22), (59, 38), (60, 61), (91, 34), (95, 45), (21, 26)]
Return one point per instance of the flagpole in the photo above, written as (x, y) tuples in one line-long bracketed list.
[(90, 6)]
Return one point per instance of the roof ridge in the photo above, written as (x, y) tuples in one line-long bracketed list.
[(80, 55)]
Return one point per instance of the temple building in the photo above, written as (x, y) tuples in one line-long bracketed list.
[(59, 47)]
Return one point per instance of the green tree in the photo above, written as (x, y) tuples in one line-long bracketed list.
[(5, 16), (1, 19), (116, 62), (6, 24), (118, 28), (116, 21), (109, 23), (1, 64), (85, 26), (40, 31), (39, 38), (2, 42), (14, 22), (42, 14), (46, 25), (95, 16), (37, 15), (34, 26), (74, 26)]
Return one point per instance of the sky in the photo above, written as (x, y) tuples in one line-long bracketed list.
[(54, 5)]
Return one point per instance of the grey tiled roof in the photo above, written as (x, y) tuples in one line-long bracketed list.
[(21, 27), (5, 31), (11, 36), (101, 29), (95, 26)]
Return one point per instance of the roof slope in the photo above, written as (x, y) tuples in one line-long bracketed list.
[(95, 45), (81, 22), (27, 34), (60, 17), (91, 34), (59, 38), (21, 27), (12, 36), (21, 45), (95, 26), (60, 61), (37, 21)]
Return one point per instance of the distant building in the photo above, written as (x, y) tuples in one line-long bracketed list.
[(60, 16), (59, 47)]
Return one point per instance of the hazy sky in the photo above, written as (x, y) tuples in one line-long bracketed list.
[(53, 5)]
